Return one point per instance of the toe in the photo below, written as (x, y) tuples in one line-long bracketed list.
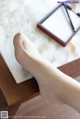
[(17, 41), (20, 39)]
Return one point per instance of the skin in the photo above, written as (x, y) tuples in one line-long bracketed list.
[(55, 87)]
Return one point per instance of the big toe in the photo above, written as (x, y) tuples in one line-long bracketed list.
[(17, 41), (18, 47)]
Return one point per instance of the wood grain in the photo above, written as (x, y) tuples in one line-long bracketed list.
[(3, 103), (16, 94)]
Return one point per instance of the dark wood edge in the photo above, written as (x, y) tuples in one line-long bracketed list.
[(58, 40), (72, 68), (29, 89), (3, 102), (21, 92)]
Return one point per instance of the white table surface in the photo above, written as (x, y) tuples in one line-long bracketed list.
[(22, 16)]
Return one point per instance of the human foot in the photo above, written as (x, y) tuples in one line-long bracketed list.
[(24, 46), (55, 87), (25, 51), (28, 56)]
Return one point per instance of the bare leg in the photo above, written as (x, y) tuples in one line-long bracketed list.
[(54, 85)]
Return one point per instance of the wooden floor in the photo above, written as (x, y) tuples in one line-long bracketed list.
[(37, 109)]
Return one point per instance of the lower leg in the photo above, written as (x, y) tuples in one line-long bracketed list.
[(54, 85)]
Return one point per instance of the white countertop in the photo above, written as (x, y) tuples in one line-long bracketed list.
[(22, 16)]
